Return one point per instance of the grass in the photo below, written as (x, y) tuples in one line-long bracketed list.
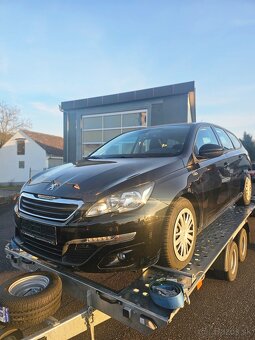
[(10, 187)]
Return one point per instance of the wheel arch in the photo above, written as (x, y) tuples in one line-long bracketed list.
[(194, 201)]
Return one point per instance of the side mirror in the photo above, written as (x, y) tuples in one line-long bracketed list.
[(210, 151)]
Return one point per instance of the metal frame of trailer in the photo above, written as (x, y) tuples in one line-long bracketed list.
[(132, 305)]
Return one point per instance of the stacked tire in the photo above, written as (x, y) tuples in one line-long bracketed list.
[(27, 305)]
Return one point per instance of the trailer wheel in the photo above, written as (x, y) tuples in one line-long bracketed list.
[(179, 235), (31, 297), (247, 192), (242, 242), (10, 333), (231, 274)]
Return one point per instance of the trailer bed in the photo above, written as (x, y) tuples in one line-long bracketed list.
[(132, 304)]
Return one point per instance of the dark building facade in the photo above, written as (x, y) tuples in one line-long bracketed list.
[(90, 122)]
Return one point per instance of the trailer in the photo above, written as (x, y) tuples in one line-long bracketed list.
[(218, 248)]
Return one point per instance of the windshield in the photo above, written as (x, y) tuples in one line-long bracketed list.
[(155, 142)]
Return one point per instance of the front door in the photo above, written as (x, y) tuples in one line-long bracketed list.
[(213, 176)]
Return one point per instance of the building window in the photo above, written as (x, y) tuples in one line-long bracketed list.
[(20, 147), (21, 164), (100, 128)]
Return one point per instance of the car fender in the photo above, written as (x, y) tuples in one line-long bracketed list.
[(174, 187)]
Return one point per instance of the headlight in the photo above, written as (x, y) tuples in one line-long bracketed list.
[(16, 199), (122, 201)]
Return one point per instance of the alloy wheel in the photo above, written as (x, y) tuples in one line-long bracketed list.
[(184, 234), (248, 188)]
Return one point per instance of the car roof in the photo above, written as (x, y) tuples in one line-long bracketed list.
[(198, 124)]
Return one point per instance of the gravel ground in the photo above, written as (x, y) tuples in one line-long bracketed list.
[(219, 310), (7, 196), (7, 193)]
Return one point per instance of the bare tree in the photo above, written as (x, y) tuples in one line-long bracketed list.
[(10, 122)]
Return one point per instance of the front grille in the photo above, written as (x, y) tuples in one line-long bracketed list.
[(42, 248), (48, 207)]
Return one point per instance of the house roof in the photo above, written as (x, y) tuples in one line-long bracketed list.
[(53, 145)]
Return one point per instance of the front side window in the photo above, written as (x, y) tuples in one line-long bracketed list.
[(156, 142), (205, 135), (20, 147), (225, 140)]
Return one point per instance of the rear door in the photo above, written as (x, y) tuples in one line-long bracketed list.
[(232, 163)]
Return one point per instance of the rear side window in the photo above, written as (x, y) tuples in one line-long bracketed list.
[(205, 135), (234, 140), (225, 140)]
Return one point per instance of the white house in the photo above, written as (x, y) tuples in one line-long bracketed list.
[(28, 152)]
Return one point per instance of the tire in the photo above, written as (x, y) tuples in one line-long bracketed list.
[(177, 251), (10, 333), (242, 243), (45, 291), (231, 274), (247, 192)]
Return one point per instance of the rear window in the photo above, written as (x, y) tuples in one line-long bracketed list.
[(234, 140)]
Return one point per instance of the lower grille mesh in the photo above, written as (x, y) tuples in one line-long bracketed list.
[(75, 255)]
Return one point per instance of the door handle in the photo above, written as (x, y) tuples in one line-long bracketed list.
[(226, 164)]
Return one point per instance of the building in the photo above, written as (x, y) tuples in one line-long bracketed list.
[(27, 153), (90, 122)]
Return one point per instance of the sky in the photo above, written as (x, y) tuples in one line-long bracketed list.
[(58, 50)]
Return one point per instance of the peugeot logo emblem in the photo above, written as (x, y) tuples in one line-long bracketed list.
[(53, 186)]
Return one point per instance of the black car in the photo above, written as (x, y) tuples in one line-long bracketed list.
[(142, 197)]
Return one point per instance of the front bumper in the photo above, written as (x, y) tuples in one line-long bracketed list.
[(92, 245)]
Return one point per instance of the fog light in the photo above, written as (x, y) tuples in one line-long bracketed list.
[(121, 256), (124, 255)]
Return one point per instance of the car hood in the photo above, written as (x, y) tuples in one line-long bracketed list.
[(92, 179)]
